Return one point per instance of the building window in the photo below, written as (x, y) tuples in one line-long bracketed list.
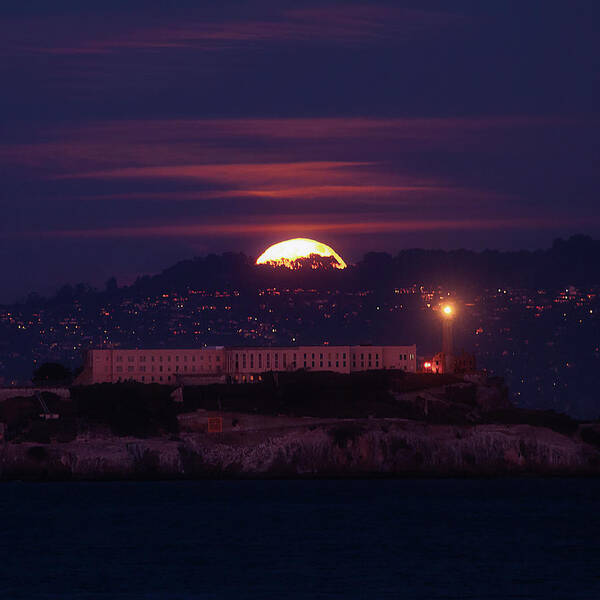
[(130, 359)]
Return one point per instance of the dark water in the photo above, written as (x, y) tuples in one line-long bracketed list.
[(302, 539)]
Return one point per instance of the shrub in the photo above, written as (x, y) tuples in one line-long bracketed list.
[(37, 453), (129, 409), (346, 433), (558, 422), (591, 436)]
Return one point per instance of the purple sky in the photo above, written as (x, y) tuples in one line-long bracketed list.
[(135, 135)]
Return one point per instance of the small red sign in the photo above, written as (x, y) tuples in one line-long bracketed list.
[(215, 425)]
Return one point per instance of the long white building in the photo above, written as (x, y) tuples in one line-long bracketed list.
[(237, 364)]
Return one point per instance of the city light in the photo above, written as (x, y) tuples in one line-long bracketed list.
[(447, 310)]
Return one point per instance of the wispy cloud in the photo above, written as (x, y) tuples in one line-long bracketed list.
[(164, 142), (275, 161), (199, 29), (313, 224)]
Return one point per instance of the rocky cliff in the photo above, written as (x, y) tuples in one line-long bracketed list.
[(313, 448)]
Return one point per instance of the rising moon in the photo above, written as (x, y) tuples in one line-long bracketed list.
[(287, 252)]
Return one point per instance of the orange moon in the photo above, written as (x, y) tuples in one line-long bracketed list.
[(285, 253)]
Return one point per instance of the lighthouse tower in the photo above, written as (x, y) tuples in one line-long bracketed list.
[(448, 338)]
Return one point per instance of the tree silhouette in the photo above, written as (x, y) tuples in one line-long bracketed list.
[(51, 373)]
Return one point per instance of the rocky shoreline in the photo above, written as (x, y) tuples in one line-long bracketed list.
[(309, 448)]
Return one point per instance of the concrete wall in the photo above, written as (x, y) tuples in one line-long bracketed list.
[(13, 392)]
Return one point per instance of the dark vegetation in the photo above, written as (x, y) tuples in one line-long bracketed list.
[(129, 409), (590, 434), (558, 422), (52, 374), (137, 410), (575, 261), (344, 434), (315, 394)]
